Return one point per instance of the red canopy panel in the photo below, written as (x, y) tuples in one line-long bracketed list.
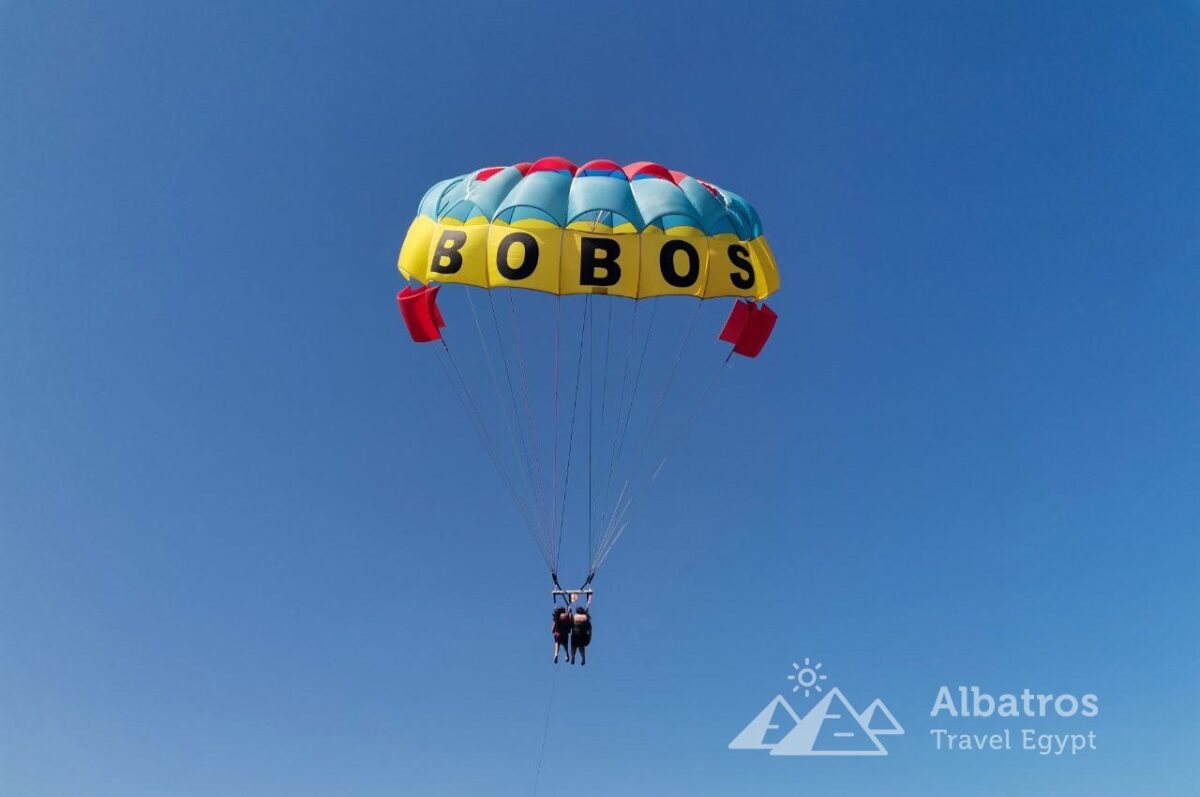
[(553, 164), (648, 169), (484, 174)]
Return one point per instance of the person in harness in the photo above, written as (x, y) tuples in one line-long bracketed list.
[(581, 634), (561, 628)]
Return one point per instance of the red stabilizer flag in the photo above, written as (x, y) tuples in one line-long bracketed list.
[(758, 330), (735, 325), (421, 314), (748, 327)]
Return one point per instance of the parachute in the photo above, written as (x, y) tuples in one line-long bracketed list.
[(538, 250)]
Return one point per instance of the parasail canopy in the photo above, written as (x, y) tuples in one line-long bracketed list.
[(605, 407), (636, 231)]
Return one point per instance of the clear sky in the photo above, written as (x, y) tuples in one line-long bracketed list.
[(248, 545)]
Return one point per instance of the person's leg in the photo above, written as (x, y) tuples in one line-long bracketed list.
[(557, 644), (573, 649), (583, 656)]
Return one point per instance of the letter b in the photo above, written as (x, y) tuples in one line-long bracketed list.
[(598, 262), (447, 259)]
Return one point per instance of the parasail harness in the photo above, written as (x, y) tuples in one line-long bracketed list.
[(570, 596)]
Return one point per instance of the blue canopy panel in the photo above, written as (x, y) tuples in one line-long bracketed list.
[(603, 199), (431, 203), (540, 195), (745, 219), (482, 193), (714, 217), (664, 205)]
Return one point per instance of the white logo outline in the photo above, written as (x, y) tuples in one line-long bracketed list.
[(832, 727)]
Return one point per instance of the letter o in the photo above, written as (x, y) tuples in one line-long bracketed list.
[(530, 247), (666, 264)]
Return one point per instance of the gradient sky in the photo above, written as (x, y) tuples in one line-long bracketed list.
[(249, 546)]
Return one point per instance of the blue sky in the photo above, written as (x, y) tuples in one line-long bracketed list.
[(250, 547)]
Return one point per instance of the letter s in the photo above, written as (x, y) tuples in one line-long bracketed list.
[(740, 257)]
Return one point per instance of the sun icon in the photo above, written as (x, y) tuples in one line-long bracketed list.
[(806, 677)]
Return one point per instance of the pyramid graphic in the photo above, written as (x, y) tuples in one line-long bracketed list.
[(771, 725), (879, 721), (832, 727)]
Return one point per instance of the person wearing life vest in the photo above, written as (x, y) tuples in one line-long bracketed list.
[(560, 627), (581, 634)]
